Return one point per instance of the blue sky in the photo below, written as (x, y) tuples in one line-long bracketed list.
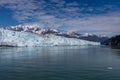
[(92, 16)]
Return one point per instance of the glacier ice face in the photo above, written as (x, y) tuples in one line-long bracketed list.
[(14, 38), (37, 29)]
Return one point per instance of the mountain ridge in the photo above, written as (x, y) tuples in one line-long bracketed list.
[(36, 29)]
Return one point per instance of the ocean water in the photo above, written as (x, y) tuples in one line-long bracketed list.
[(60, 63)]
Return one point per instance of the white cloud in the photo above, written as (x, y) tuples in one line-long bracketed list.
[(73, 4), (67, 16), (107, 24)]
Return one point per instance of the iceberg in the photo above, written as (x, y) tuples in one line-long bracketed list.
[(15, 38)]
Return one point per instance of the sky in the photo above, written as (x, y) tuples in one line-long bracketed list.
[(84, 16)]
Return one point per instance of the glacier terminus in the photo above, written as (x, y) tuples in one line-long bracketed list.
[(15, 38)]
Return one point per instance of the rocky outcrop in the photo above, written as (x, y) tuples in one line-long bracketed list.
[(114, 41)]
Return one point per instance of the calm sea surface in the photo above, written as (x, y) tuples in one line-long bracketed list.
[(60, 63)]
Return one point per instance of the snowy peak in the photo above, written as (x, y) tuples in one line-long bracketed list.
[(36, 29), (87, 34), (26, 28), (32, 29), (15, 38)]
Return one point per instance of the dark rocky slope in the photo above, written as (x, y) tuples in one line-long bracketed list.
[(114, 41)]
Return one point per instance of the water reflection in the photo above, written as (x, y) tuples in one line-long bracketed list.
[(59, 62), (11, 52), (115, 47)]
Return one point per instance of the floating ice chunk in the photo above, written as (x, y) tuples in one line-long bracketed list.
[(109, 68)]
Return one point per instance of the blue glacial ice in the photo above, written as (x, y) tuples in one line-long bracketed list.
[(14, 38)]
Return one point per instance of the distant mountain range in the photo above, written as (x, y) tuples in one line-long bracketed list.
[(34, 36), (36, 29), (72, 38)]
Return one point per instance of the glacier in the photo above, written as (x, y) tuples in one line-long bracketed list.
[(15, 38)]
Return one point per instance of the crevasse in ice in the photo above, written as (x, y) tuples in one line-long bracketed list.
[(14, 38)]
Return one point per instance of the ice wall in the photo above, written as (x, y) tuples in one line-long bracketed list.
[(14, 38)]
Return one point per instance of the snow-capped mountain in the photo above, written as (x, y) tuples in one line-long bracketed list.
[(36, 29), (16, 38), (33, 35)]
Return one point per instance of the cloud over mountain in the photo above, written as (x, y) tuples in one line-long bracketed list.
[(67, 15)]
